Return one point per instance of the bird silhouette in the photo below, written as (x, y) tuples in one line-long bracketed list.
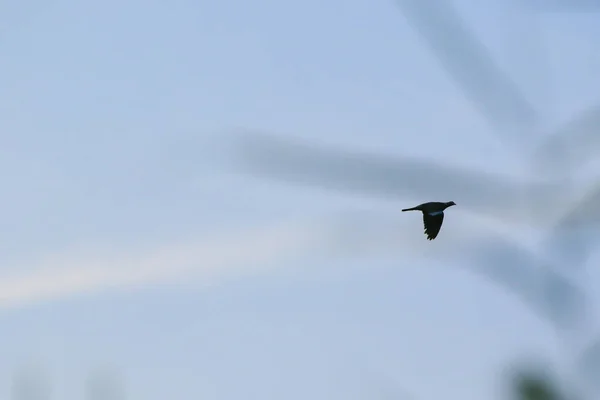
[(433, 216)]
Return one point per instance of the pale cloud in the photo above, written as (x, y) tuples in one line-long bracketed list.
[(208, 259), (464, 242)]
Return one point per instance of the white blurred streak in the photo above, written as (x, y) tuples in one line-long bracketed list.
[(463, 242), (209, 258)]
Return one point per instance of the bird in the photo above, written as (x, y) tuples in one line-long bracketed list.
[(433, 216)]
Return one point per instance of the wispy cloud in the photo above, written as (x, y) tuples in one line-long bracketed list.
[(207, 258)]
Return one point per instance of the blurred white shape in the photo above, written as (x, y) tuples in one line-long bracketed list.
[(209, 258), (462, 242), (248, 252)]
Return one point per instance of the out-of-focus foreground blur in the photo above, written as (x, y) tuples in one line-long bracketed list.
[(202, 199)]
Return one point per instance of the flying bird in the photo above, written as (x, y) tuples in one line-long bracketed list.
[(433, 216)]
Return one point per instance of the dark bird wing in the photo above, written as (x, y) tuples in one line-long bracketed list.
[(432, 224)]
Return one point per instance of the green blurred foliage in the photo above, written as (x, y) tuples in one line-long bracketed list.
[(534, 386)]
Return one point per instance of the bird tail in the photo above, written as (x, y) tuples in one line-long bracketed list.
[(410, 209)]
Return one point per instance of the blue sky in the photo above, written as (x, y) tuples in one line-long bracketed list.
[(125, 247)]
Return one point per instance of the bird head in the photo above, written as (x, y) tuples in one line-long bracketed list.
[(450, 204)]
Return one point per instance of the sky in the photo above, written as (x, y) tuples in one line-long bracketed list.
[(127, 249)]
